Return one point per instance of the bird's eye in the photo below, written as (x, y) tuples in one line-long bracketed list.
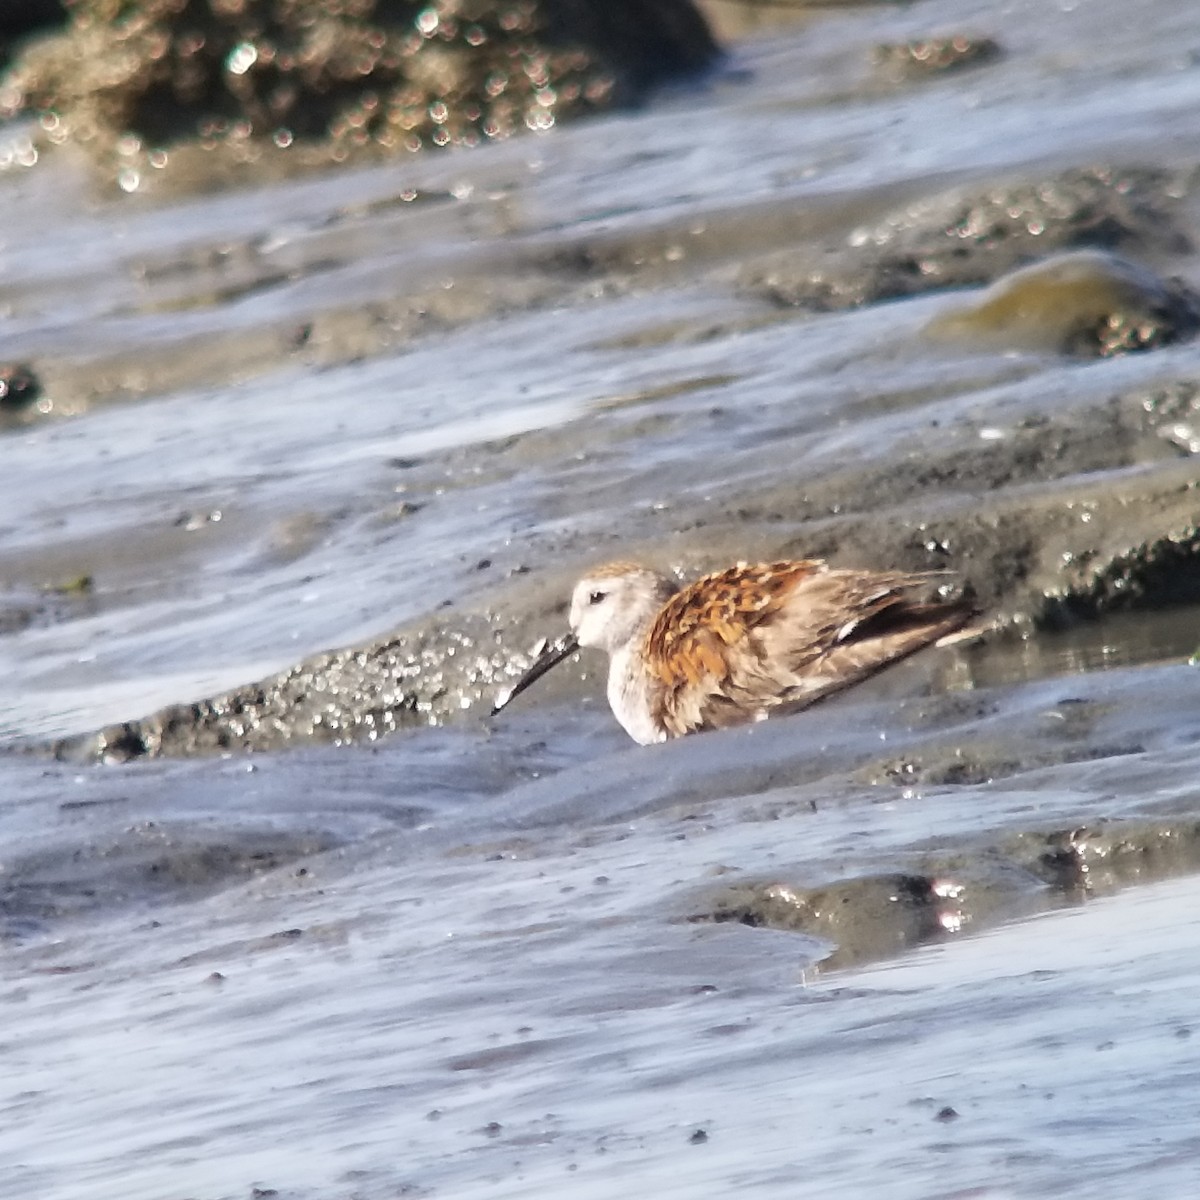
[(597, 597)]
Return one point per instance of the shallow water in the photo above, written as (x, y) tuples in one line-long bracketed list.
[(494, 958), (537, 1006)]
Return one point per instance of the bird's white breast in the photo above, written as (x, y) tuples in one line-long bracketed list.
[(629, 694)]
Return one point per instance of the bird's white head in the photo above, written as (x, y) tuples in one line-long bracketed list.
[(614, 604)]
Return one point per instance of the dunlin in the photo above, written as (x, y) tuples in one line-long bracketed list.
[(742, 643)]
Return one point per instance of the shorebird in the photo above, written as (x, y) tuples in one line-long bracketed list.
[(739, 644)]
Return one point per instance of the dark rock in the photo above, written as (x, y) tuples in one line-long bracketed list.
[(19, 386), (20, 17), (260, 84)]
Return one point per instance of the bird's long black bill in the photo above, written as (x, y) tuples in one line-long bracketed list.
[(550, 657)]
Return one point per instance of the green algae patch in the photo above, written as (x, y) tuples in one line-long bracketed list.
[(232, 89), (1088, 302)]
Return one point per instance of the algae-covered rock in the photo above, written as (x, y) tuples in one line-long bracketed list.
[(149, 84), (1087, 302)]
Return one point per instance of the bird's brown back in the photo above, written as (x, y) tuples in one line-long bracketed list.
[(735, 644)]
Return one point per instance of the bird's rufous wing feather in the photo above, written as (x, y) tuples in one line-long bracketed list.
[(740, 642), (701, 649)]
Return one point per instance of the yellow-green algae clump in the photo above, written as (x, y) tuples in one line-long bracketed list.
[(147, 84)]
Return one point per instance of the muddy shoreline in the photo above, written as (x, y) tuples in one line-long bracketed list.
[(1050, 515), (300, 472), (1096, 513)]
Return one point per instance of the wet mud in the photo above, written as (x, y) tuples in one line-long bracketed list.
[(961, 238), (140, 869), (1086, 513), (1050, 513), (964, 889), (338, 309), (301, 474)]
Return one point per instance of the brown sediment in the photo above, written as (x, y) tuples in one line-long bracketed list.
[(868, 917), (732, 19), (963, 889), (53, 601), (1071, 730), (217, 93), (1065, 515), (937, 55)]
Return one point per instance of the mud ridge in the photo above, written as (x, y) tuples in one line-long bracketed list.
[(969, 889)]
